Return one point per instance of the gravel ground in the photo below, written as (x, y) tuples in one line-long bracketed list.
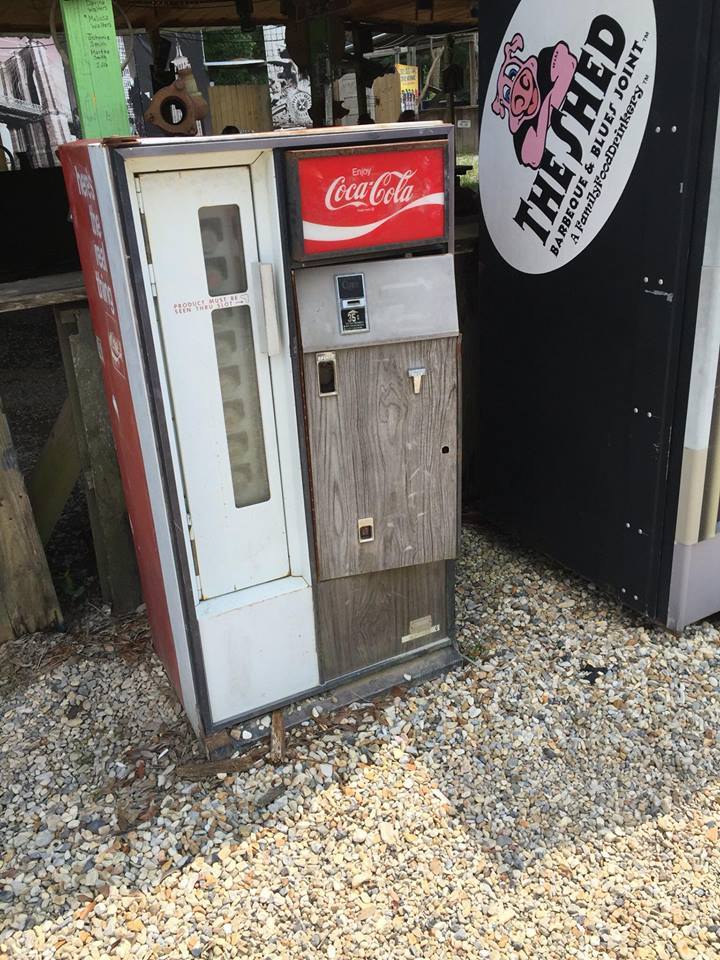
[(558, 797)]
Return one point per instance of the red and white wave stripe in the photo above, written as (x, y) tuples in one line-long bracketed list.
[(324, 233)]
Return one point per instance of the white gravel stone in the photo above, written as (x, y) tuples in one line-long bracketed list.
[(558, 796)]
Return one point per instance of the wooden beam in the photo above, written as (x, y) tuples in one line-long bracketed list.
[(95, 67), (27, 596), (211, 768), (55, 473), (97, 460), (41, 292), (26, 17)]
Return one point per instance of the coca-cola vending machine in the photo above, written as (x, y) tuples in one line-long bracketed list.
[(276, 320)]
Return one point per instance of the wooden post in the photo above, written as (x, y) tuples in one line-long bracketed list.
[(117, 568), (473, 80), (277, 737), (318, 41), (95, 67), (450, 53), (27, 595), (360, 87)]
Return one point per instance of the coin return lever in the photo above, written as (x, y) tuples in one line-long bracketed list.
[(366, 530), (326, 370)]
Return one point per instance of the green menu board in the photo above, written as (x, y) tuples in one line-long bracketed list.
[(95, 66)]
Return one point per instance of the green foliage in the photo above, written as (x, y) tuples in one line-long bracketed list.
[(469, 179), (230, 44)]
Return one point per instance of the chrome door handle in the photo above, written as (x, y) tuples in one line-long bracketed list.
[(265, 298)]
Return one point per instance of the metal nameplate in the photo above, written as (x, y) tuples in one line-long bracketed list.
[(424, 627)]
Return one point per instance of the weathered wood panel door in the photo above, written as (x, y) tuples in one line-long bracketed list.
[(384, 454)]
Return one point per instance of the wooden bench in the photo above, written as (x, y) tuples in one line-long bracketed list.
[(80, 444)]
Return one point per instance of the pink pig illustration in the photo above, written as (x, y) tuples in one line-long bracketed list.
[(528, 91)]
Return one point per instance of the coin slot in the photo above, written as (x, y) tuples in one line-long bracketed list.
[(352, 303)]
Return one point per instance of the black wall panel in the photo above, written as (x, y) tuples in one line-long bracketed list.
[(574, 374)]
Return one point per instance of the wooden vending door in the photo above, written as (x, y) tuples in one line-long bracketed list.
[(383, 457), (202, 244)]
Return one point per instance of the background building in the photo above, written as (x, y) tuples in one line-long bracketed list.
[(35, 109)]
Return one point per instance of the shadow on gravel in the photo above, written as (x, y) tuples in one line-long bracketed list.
[(576, 722), (588, 719)]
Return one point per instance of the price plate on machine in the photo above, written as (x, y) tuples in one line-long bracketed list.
[(352, 305)]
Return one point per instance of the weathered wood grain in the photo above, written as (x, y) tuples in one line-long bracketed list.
[(244, 105), (362, 620), (27, 596), (386, 91), (55, 473), (211, 768), (277, 737), (112, 539), (41, 291), (376, 450)]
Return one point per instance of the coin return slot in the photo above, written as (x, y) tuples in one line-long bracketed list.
[(326, 375), (366, 530)]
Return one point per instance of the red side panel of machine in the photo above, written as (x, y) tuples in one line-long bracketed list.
[(84, 207)]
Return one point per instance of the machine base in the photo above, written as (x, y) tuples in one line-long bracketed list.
[(331, 697), (695, 589)]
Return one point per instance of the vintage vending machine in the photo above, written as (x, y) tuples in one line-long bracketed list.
[(277, 324)]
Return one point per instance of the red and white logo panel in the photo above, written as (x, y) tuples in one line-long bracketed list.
[(352, 201)]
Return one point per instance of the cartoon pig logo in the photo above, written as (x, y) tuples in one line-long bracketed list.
[(527, 93)]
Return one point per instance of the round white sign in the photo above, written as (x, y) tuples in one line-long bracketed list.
[(562, 124)]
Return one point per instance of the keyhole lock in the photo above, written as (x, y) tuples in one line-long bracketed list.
[(366, 530), (416, 374)]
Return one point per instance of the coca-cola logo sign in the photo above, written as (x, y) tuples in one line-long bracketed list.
[(393, 186), (359, 200)]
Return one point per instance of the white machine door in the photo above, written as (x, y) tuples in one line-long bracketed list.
[(202, 245)]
